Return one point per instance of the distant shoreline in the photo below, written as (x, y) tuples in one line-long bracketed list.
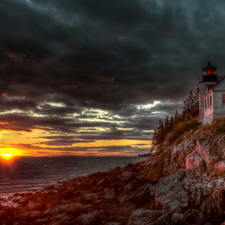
[(145, 155)]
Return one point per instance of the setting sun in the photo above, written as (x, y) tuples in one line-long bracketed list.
[(6, 156)]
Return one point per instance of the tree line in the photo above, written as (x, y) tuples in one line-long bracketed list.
[(190, 110)]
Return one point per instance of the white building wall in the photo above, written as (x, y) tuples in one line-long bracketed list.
[(208, 108), (219, 106), (202, 90)]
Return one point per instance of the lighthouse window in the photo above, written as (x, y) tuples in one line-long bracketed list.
[(223, 98)]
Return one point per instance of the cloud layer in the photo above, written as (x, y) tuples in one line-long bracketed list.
[(68, 66)]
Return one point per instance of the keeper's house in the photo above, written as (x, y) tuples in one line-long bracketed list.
[(211, 95)]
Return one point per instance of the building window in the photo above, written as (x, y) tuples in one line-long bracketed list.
[(210, 100), (223, 98), (205, 103)]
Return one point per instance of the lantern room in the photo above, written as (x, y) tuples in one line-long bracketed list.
[(209, 73), (209, 70)]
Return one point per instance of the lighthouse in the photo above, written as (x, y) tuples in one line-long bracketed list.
[(205, 83)]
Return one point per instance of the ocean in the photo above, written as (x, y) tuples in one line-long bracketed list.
[(26, 174)]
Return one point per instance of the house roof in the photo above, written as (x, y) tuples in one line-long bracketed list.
[(209, 87), (219, 82)]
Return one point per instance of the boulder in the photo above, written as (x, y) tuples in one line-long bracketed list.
[(109, 193), (203, 207), (90, 197), (75, 209), (41, 221), (143, 195), (33, 206), (90, 218), (153, 169), (186, 146), (126, 175), (198, 197), (63, 218), (181, 160), (171, 169), (113, 223), (145, 216), (169, 192), (195, 160), (217, 148), (176, 218), (192, 216), (23, 201), (131, 186), (219, 168), (203, 151)]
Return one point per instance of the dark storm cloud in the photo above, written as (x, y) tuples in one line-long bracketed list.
[(104, 149), (20, 122), (113, 134), (103, 55), (63, 142)]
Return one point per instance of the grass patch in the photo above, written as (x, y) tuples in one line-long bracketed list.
[(184, 130)]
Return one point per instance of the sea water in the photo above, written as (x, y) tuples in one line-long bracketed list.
[(25, 174)]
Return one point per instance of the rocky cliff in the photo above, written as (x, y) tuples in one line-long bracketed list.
[(178, 185)]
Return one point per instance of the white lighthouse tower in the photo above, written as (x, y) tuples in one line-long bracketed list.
[(205, 83)]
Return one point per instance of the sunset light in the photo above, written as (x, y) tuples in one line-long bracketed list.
[(105, 112), (6, 156)]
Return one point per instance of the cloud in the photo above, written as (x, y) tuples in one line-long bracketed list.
[(101, 150), (62, 60)]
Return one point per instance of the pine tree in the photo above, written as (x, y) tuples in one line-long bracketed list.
[(191, 105), (159, 136), (167, 124), (171, 123)]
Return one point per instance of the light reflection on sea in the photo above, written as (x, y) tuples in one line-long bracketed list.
[(27, 174)]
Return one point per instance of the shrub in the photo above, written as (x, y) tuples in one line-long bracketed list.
[(215, 130), (183, 130)]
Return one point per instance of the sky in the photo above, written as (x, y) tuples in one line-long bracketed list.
[(84, 77)]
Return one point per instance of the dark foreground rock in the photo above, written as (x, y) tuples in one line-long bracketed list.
[(181, 185)]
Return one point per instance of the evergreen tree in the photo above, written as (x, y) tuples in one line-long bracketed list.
[(191, 105), (167, 125), (171, 123)]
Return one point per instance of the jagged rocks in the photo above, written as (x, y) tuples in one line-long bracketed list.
[(195, 160), (186, 146), (204, 151), (153, 169), (131, 186), (169, 192), (109, 193), (192, 216), (91, 218), (217, 148), (75, 209), (198, 197), (145, 216), (176, 218), (171, 169), (219, 168), (113, 223)]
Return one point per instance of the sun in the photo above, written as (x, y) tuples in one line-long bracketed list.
[(6, 156), (8, 153)]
